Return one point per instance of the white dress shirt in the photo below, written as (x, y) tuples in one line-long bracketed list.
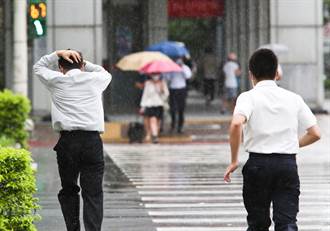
[(273, 116), (230, 77), (152, 95), (177, 80), (76, 96)]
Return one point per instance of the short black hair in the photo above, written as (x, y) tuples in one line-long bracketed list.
[(65, 64), (263, 64)]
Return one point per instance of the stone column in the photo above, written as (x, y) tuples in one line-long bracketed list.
[(156, 21), (301, 32), (220, 37), (263, 22), (243, 52), (8, 26), (20, 77), (228, 26)]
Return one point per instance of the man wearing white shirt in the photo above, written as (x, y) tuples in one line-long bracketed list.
[(77, 114), (231, 70), (270, 117), (177, 83)]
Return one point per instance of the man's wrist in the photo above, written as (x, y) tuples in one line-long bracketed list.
[(59, 53), (234, 160)]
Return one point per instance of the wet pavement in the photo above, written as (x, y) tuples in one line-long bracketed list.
[(180, 187)]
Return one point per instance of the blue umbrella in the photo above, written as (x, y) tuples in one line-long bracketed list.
[(170, 48)]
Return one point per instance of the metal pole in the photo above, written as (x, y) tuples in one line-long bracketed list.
[(20, 62)]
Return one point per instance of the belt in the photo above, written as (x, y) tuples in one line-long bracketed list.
[(65, 132), (273, 155)]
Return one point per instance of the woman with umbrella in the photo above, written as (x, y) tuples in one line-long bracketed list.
[(155, 94)]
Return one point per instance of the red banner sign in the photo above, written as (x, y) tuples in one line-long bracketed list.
[(195, 8)]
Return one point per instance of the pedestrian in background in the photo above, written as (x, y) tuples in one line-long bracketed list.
[(77, 114), (271, 117), (231, 70), (177, 82), (154, 97), (209, 75)]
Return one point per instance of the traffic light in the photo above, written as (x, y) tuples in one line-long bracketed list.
[(37, 18)]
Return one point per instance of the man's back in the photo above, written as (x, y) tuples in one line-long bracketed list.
[(274, 116), (76, 95), (210, 66), (270, 117)]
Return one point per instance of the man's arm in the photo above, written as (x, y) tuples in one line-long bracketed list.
[(187, 71), (307, 121), (102, 77), (312, 135), (91, 67), (238, 72), (235, 142), (43, 67)]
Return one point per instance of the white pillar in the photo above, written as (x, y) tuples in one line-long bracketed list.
[(301, 32), (157, 21), (20, 77)]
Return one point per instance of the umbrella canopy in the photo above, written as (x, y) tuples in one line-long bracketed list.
[(160, 66), (170, 48), (276, 48), (135, 61)]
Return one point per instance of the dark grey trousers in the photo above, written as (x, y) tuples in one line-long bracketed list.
[(177, 107), (80, 154), (271, 178)]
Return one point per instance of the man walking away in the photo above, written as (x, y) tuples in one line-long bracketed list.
[(177, 82), (271, 117), (231, 70), (77, 114), (209, 74)]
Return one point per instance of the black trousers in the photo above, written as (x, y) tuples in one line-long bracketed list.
[(209, 88), (271, 178), (177, 107), (80, 153)]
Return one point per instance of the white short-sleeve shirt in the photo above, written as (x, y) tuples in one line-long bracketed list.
[(230, 78), (273, 116)]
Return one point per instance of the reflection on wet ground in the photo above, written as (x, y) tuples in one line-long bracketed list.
[(121, 199), (181, 188)]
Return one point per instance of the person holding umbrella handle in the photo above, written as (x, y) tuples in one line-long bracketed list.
[(155, 94)]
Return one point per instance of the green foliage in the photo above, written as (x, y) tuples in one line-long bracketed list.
[(17, 186), (327, 84), (14, 110), (6, 142), (197, 34), (326, 5)]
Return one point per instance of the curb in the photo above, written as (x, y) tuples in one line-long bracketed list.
[(116, 132)]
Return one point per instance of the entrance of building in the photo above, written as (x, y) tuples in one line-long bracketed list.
[(124, 36), (131, 25), (199, 24)]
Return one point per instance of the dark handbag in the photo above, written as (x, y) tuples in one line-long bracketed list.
[(135, 132)]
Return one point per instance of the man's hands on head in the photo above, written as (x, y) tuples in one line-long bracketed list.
[(69, 55)]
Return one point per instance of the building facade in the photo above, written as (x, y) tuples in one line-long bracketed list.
[(297, 24), (105, 30)]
